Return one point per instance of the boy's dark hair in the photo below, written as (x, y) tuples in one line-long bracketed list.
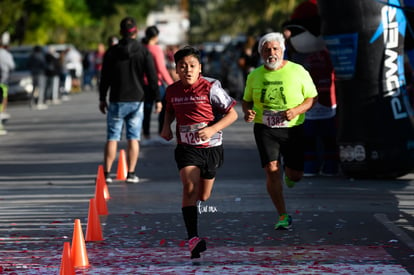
[(128, 27), (186, 51)]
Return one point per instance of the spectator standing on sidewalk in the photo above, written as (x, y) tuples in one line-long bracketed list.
[(73, 63), (202, 109), (88, 68), (164, 79), (6, 65), (248, 59), (52, 72), (123, 70), (169, 56), (276, 97), (98, 59), (37, 66), (65, 81)]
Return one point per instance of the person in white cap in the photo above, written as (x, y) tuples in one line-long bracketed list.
[(276, 96)]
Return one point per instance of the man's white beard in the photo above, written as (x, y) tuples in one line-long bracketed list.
[(273, 65)]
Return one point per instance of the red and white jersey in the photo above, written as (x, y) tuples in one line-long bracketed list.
[(197, 106)]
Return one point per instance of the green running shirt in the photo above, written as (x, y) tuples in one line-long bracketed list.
[(279, 90)]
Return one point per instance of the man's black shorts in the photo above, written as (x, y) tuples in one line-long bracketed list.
[(275, 142)]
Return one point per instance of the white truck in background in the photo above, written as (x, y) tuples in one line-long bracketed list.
[(172, 23)]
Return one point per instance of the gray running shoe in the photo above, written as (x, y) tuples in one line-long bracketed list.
[(132, 179)]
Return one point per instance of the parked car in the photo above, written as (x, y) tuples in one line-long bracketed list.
[(20, 80)]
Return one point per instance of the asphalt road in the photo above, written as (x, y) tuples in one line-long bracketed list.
[(49, 161)]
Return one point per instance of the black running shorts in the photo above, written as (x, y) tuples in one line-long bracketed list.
[(273, 143), (207, 159)]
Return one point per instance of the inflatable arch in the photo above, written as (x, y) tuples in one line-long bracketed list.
[(375, 116)]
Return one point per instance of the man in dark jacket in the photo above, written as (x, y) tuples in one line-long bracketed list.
[(123, 70)]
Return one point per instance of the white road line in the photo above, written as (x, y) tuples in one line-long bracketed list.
[(382, 218)]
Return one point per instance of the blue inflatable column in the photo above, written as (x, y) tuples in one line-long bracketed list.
[(376, 124)]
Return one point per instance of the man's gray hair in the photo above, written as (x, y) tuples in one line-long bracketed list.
[(273, 36)]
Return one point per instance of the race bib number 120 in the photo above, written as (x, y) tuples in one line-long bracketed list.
[(189, 133)]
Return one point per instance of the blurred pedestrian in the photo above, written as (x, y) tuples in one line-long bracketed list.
[(65, 81), (112, 40), (276, 97), (73, 62), (248, 59), (52, 72), (232, 75), (98, 60), (164, 79), (169, 53), (88, 68), (37, 65), (6, 65), (123, 70), (201, 109)]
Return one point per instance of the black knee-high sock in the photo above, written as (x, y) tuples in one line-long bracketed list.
[(190, 220)]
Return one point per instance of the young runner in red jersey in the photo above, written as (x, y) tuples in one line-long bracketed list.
[(202, 109)]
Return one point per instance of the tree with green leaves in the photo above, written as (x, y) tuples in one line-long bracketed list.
[(85, 23), (213, 18)]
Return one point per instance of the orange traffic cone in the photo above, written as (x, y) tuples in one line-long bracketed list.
[(93, 229), (101, 182), (122, 171), (100, 201), (79, 255), (66, 266)]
